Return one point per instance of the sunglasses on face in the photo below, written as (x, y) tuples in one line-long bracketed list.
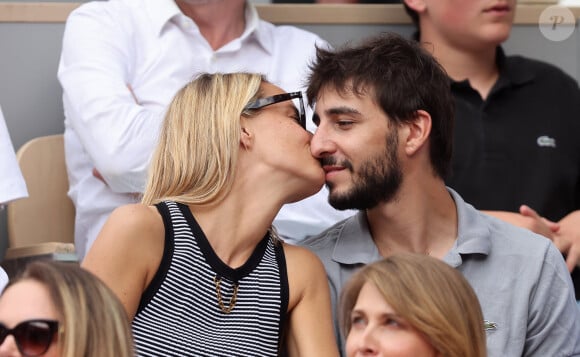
[(264, 102), (33, 337)]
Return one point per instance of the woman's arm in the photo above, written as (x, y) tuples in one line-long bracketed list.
[(310, 331), (127, 252)]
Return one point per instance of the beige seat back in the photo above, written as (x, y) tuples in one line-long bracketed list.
[(42, 223)]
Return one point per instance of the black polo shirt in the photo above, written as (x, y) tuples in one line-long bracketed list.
[(522, 144)]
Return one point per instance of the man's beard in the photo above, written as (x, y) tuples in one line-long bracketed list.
[(378, 180)]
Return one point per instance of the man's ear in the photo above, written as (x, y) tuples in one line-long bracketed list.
[(416, 5), (246, 138), (417, 133)]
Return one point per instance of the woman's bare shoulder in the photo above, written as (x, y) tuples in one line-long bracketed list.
[(136, 217), (133, 225)]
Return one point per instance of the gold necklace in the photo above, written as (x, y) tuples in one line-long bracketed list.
[(225, 309)]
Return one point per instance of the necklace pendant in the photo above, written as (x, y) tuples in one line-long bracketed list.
[(225, 309)]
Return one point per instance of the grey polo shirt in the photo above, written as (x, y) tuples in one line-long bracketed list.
[(520, 279)]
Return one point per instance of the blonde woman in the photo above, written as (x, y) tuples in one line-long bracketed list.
[(60, 310), (411, 305), (197, 265)]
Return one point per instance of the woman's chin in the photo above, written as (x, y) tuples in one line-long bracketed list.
[(309, 190)]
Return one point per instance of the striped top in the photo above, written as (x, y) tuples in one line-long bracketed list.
[(179, 313)]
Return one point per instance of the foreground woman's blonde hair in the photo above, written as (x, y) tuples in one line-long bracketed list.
[(196, 156), (93, 321), (430, 295)]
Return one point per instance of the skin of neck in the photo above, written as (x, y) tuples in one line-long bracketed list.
[(235, 225), (422, 218), (219, 21), (476, 64)]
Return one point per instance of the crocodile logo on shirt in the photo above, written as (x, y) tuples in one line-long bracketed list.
[(489, 325), (546, 141)]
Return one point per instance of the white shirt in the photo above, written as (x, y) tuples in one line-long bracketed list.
[(155, 49), (12, 185), (3, 279)]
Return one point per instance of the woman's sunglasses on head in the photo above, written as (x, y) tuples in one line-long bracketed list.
[(264, 102), (32, 337)]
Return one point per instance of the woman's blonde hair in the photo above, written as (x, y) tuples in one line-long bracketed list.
[(430, 295), (94, 322), (196, 156)]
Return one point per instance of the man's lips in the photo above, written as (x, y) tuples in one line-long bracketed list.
[(331, 171), (332, 168)]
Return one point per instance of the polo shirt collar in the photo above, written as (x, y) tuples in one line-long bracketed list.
[(161, 12), (473, 236), (354, 244), (511, 72)]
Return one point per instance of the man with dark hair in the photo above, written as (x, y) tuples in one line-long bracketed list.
[(516, 149), (384, 113)]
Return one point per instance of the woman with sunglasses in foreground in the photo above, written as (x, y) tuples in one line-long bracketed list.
[(197, 265), (411, 305), (60, 310)]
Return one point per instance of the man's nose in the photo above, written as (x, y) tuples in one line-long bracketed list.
[(321, 143)]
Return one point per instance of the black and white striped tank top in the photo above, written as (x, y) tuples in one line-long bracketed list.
[(179, 314)]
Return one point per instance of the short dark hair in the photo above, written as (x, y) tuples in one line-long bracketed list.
[(401, 77)]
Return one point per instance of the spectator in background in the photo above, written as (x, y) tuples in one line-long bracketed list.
[(336, 1), (3, 279), (210, 277), (568, 2), (123, 60), (12, 185), (385, 115), (516, 150), (411, 305), (60, 310)]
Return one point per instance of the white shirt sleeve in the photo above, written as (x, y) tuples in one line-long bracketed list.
[(94, 71), (3, 279), (12, 185)]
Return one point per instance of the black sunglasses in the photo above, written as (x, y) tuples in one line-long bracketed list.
[(264, 102), (33, 337)]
